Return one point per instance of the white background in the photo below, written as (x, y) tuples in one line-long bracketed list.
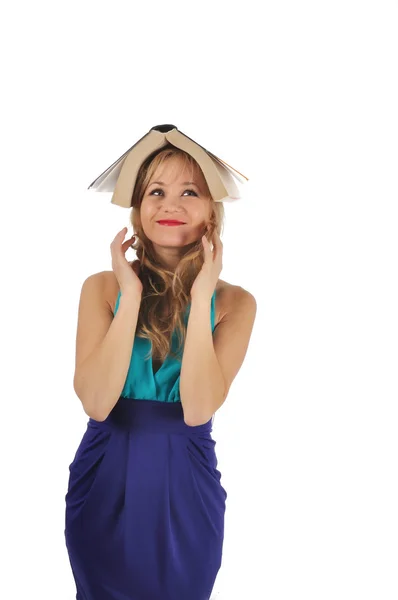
[(302, 98)]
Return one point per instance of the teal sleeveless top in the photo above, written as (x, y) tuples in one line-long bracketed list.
[(164, 385)]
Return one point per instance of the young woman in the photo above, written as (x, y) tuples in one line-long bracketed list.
[(159, 342)]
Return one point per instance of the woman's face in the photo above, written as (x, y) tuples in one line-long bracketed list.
[(173, 194)]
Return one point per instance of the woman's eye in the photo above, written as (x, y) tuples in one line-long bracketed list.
[(160, 190)]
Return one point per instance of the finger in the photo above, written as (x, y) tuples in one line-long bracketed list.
[(122, 233), (216, 235), (217, 246), (218, 242), (210, 251), (206, 248), (119, 235), (128, 242)]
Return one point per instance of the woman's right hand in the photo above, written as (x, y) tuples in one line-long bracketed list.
[(126, 273)]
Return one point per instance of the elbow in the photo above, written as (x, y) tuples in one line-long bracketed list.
[(203, 414), (90, 411), (204, 417), (190, 419), (90, 407), (94, 415), (195, 421), (189, 422)]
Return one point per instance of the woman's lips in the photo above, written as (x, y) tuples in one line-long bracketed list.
[(170, 223)]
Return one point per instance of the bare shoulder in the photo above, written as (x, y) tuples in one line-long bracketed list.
[(110, 288), (228, 296), (231, 298)]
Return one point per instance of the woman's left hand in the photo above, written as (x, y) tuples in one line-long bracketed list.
[(206, 280)]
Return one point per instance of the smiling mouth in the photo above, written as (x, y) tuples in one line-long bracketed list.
[(170, 223)]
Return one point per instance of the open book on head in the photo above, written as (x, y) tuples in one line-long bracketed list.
[(121, 176)]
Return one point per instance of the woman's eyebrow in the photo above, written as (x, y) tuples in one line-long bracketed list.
[(185, 183)]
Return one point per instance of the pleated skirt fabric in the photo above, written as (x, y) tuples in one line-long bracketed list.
[(145, 507)]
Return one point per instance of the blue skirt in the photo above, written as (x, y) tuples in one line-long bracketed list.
[(145, 507)]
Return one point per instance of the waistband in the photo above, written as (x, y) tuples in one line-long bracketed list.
[(149, 416)]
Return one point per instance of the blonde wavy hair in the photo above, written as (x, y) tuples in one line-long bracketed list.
[(166, 292)]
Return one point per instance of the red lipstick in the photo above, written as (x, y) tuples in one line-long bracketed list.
[(170, 223)]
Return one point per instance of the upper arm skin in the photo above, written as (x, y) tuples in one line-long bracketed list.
[(232, 335), (94, 317)]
